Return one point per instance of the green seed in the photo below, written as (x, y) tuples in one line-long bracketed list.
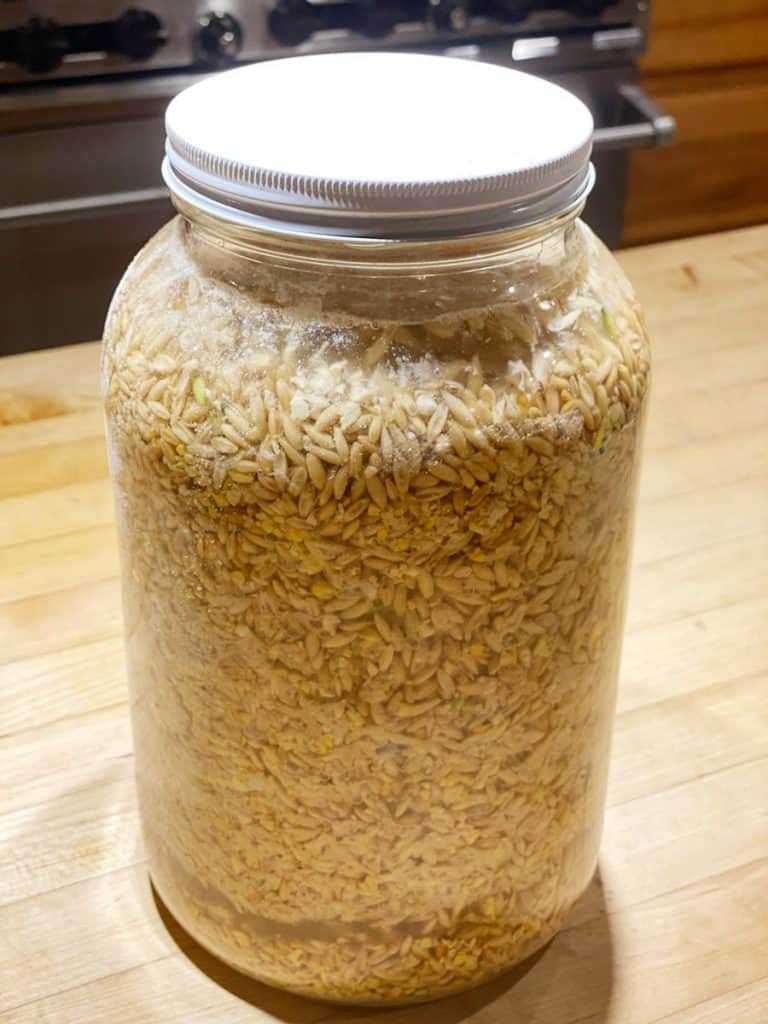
[(199, 390), (609, 324)]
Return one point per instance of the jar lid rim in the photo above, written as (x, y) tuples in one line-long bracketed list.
[(499, 149)]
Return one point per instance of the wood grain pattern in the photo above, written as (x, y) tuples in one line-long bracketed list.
[(674, 929), (700, 33), (699, 185), (707, 66)]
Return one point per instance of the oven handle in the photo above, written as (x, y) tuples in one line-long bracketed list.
[(36, 213), (650, 125)]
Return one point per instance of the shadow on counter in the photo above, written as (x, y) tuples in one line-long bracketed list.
[(569, 981)]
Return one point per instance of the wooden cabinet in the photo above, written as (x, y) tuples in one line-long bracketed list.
[(707, 65)]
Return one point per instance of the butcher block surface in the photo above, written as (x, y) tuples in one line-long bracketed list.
[(673, 929)]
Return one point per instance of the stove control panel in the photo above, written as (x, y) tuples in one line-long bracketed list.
[(43, 40), (41, 45)]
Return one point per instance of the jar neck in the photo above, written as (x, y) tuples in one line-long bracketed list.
[(387, 280)]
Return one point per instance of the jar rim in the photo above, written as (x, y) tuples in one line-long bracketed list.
[(536, 216)]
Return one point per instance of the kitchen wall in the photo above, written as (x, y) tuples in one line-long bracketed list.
[(707, 65)]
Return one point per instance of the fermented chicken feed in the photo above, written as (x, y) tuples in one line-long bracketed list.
[(373, 582)]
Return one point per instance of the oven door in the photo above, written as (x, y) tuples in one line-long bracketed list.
[(60, 262), (79, 199)]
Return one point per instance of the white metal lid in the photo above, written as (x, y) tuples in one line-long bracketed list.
[(379, 145)]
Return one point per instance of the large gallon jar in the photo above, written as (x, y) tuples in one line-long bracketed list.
[(374, 402)]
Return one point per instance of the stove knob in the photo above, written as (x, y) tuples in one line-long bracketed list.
[(219, 39), (139, 34), (449, 15), (41, 45), (293, 21)]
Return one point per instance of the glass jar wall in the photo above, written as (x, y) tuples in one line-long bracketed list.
[(374, 508)]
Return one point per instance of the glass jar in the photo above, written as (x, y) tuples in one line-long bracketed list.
[(374, 507)]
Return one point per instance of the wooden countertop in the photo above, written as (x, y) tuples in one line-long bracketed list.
[(674, 930)]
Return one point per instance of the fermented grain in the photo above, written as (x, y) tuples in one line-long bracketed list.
[(373, 585)]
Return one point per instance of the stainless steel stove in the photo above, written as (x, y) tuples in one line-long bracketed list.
[(83, 85)]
